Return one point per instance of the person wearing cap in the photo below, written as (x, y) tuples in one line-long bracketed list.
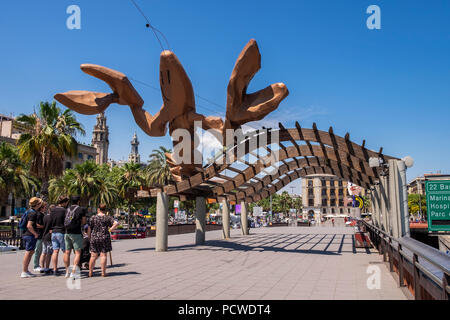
[(31, 235), (58, 214)]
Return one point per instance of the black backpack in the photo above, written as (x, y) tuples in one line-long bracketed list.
[(69, 221)]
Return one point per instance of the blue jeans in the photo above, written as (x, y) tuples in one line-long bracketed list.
[(58, 241)]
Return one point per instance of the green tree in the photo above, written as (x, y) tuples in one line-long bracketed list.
[(130, 179), (50, 138), (14, 175), (367, 204), (285, 201), (158, 170), (93, 183), (417, 203)]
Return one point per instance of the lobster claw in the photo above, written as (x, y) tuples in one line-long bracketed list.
[(88, 102), (243, 107)]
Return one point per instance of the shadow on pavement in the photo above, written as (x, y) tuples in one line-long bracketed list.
[(311, 243)]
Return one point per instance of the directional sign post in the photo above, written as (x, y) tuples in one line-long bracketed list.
[(438, 205)]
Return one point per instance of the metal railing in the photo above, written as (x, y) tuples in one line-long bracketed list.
[(13, 241), (424, 270)]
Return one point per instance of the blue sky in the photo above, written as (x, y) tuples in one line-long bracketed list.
[(389, 86)]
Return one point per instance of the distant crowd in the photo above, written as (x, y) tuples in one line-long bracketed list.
[(47, 230)]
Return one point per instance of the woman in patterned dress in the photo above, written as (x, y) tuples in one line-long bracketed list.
[(99, 230)]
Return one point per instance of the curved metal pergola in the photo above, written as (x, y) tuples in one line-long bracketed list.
[(312, 151)]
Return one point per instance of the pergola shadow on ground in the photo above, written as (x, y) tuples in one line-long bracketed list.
[(277, 242)]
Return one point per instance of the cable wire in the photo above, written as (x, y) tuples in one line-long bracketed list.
[(149, 25)]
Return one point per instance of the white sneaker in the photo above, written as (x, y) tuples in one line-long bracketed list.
[(26, 275), (67, 274), (38, 269)]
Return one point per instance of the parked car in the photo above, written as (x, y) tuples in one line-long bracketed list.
[(4, 247)]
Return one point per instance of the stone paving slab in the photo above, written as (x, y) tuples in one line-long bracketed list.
[(271, 263)]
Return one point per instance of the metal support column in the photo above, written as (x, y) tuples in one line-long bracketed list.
[(225, 219), (200, 220), (162, 219)]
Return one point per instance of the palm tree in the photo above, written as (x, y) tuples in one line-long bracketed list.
[(61, 185), (14, 176), (50, 138), (129, 180), (93, 183), (85, 182), (158, 171), (285, 201), (107, 192)]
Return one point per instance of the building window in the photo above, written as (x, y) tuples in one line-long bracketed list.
[(324, 191), (68, 165), (341, 203), (310, 183), (341, 192), (341, 210), (90, 157), (332, 192), (324, 210), (340, 183), (348, 209), (324, 183), (324, 202), (80, 155), (333, 202), (332, 210), (311, 202)]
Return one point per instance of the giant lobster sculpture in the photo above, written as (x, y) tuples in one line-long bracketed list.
[(178, 109)]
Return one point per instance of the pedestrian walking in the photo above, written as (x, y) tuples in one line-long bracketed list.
[(58, 215), (99, 230), (28, 224), (75, 218), (40, 229), (332, 221)]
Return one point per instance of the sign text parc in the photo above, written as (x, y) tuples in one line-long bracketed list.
[(438, 205)]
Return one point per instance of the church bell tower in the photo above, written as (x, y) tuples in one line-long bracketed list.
[(100, 139)]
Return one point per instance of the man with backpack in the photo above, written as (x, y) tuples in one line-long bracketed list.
[(28, 225), (75, 218), (58, 214)]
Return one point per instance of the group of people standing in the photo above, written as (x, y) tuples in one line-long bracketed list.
[(47, 230)]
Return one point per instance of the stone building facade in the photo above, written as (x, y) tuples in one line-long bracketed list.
[(325, 195)]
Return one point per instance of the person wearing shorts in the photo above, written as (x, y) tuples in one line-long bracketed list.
[(58, 230), (74, 238), (30, 235), (47, 246), (40, 229)]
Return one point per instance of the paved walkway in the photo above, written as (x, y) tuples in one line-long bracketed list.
[(271, 263)]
